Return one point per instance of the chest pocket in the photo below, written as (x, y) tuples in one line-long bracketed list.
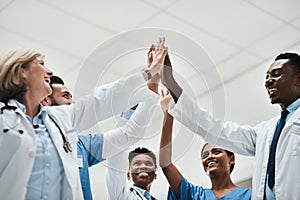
[(295, 138), (10, 137), (9, 145)]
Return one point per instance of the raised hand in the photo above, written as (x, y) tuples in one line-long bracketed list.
[(168, 80), (165, 100), (156, 57), (154, 81)]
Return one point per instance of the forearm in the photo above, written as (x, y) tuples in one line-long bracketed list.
[(174, 178), (165, 153), (109, 99), (126, 135), (228, 135), (116, 179)]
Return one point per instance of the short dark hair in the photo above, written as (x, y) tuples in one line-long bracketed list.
[(56, 79), (294, 59), (229, 153), (142, 150)]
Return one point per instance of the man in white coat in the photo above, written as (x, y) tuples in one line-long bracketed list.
[(274, 143), (138, 165), (94, 148)]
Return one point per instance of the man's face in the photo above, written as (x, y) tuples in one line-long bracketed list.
[(142, 171), (282, 83), (60, 95)]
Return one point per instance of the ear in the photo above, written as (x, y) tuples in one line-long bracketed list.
[(23, 72), (298, 80), (232, 160), (128, 175), (46, 101), (155, 175)]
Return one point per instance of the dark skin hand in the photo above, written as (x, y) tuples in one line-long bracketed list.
[(168, 80)]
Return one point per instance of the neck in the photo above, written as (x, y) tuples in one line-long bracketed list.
[(31, 104), (285, 105), (220, 183), (222, 186), (147, 188)]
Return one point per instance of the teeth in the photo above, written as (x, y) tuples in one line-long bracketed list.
[(143, 174), (210, 163)]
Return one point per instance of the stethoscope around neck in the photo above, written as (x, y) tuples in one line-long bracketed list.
[(66, 145), (136, 193)]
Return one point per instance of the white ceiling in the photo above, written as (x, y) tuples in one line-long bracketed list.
[(241, 38)]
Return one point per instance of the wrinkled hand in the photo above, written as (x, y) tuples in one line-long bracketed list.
[(156, 78), (150, 55), (165, 100), (157, 56)]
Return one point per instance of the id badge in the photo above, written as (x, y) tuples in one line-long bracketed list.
[(79, 161)]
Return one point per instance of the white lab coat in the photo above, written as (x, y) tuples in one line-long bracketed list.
[(118, 187), (251, 141), (17, 151)]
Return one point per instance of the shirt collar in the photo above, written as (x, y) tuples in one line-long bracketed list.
[(294, 106), (142, 191), (41, 115), (21, 107)]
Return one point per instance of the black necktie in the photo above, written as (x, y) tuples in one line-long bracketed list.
[(271, 163)]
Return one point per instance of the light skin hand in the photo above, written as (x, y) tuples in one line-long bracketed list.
[(154, 81), (158, 55)]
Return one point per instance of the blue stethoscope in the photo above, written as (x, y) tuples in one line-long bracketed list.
[(66, 145)]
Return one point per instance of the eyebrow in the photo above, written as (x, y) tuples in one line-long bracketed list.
[(274, 69), (66, 92), (146, 160), (213, 149)]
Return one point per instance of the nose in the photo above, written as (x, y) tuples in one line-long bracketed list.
[(268, 82), (49, 72), (70, 101), (209, 155), (143, 166)]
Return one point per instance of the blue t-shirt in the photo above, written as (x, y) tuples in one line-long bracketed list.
[(89, 150), (190, 192)]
